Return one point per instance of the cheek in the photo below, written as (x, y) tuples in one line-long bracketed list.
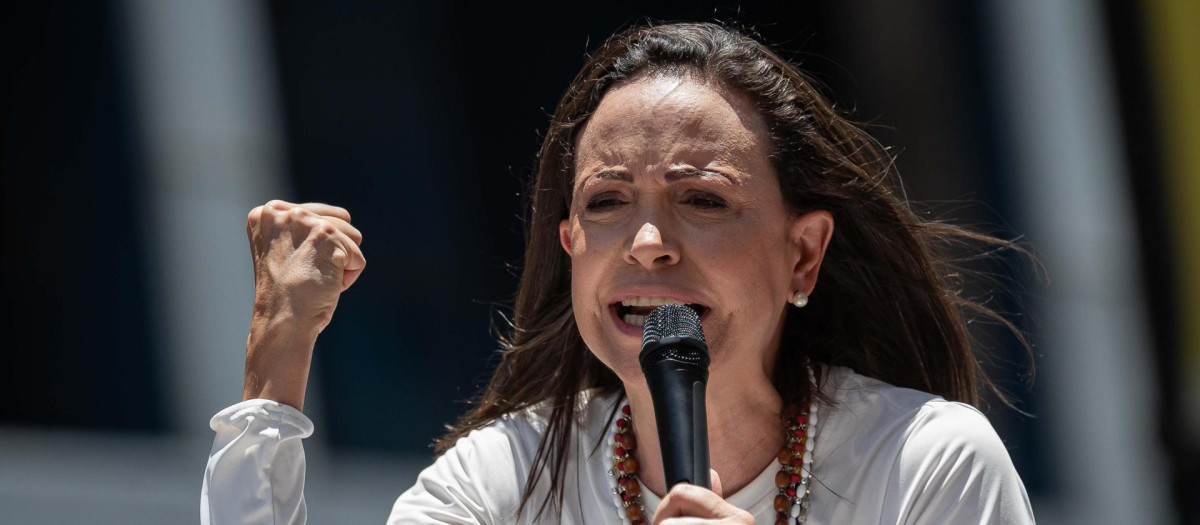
[(594, 254), (751, 274), (595, 257), (747, 262), (588, 270), (591, 318), (585, 268)]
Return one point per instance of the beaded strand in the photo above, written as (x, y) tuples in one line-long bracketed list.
[(796, 459), (793, 478), (625, 467)]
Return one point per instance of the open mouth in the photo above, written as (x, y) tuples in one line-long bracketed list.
[(634, 310)]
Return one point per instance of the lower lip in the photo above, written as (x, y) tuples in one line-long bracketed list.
[(634, 330)]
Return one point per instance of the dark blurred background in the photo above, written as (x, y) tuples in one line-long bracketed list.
[(136, 135)]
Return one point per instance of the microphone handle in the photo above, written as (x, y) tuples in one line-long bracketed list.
[(677, 390)]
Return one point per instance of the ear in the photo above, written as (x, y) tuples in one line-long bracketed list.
[(810, 236), (564, 235)]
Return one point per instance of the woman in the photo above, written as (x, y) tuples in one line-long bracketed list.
[(686, 163)]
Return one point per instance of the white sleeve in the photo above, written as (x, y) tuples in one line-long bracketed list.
[(255, 472), (953, 468), (476, 481)]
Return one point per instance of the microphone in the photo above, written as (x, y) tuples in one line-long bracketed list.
[(674, 359)]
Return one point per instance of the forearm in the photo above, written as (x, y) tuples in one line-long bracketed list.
[(278, 357)]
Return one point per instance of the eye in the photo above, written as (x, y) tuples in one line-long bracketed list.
[(604, 202), (705, 201)]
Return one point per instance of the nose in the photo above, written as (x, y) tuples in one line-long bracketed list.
[(649, 249)]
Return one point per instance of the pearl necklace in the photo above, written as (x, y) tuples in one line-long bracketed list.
[(793, 479)]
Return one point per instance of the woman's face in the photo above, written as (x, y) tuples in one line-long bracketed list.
[(675, 200)]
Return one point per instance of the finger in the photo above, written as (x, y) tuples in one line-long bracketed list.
[(356, 261), (253, 219), (348, 279), (691, 501), (273, 214), (346, 228), (346, 256), (278, 205), (327, 209), (323, 228), (316, 208), (716, 483), (352, 260), (260, 213), (349, 276)]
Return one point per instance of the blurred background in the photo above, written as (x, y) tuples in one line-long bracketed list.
[(135, 136)]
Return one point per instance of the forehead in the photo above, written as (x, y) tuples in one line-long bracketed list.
[(665, 120)]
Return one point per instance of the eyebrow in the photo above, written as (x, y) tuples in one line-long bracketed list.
[(675, 174), (672, 175)]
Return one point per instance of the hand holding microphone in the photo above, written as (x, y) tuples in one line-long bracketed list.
[(674, 359)]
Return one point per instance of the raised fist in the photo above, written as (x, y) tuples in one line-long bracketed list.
[(305, 255)]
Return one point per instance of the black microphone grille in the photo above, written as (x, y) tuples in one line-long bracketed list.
[(671, 320)]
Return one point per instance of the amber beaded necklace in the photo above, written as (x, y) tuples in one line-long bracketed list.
[(795, 467)]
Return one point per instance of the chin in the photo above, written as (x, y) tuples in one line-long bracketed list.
[(620, 356)]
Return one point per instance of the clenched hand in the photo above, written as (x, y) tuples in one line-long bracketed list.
[(305, 256)]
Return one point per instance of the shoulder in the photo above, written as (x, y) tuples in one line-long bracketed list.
[(932, 457), (517, 435), (482, 477), (525, 429), (478, 480), (867, 397), (953, 467), (943, 428), (919, 419), (922, 423)]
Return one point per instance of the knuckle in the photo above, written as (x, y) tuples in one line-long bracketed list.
[(682, 489), (276, 204), (686, 491), (321, 226)]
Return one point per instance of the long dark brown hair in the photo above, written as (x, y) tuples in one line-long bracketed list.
[(887, 304)]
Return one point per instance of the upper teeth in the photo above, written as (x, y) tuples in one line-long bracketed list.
[(649, 301)]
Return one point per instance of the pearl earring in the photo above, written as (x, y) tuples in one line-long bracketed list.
[(800, 299)]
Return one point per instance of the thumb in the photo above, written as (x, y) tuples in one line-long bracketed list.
[(339, 258), (716, 483)]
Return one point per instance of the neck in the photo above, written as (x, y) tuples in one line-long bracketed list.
[(745, 431)]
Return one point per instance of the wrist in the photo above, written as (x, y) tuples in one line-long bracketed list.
[(294, 316), (278, 357), (281, 324)]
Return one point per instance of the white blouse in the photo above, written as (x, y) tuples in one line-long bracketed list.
[(883, 455)]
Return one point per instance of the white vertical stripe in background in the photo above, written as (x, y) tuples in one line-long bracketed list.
[(1060, 110)]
